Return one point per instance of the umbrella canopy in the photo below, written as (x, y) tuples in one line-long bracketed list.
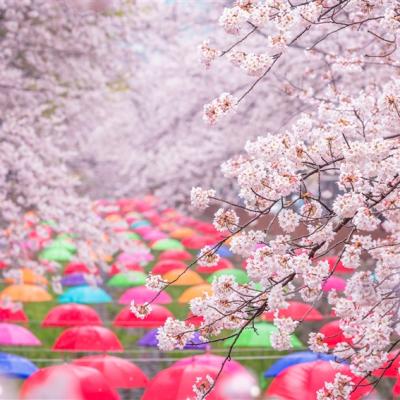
[(182, 233), (224, 251), (197, 242), (156, 318), (164, 266), (150, 340), (85, 295), (128, 279), (29, 276), (340, 268), (154, 235), (390, 368), (71, 315), (117, 268), (222, 264), (230, 366), (294, 359), (26, 293), (167, 244), (302, 381), (259, 337), (87, 338), (58, 254), (15, 366), (334, 282), (239, 275), (195, 291), (142, 294), (194, 319), (63, 243), (66, 382), (180, 277), (15, 335), (139, 256), (181, 255), (140, 223), (78, 267), (333, 334), (8, 315), (119, 373), (76, 279), (296, 310)]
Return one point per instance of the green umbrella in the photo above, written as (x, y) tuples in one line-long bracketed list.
[(260, 336), (64, 244), (128, 279), (59, 254), (167, 244), (131, 235), (239, 275)]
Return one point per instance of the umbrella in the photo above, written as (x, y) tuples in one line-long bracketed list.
[(181, 277), (15, 335), (296, 310), (206, 228), (224, 251), (76, 279), (164, 266), (222, 264), (340, 268), (15, 366), (195, 291), (154, 235), (87, 338), (150, 340), (167, 244), (239, 275), (182, 233), (58, 254), (259, 337), (157, 317), (127, 279), (390, 368), (142, 294), (66, 382), (29, 276), (71, 315), (119, 373), (294, 359), (194, 319), (8, 315), (302, 381), (140, 223), (117, 268), (85, 295), (333, 334), (63, 243), (230, 366), (334, 282), (78, 267), (139, 256), (181, 255), (25, 293), (197, 242)]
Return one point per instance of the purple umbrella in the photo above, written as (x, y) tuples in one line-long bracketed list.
[(15, 335), (74, 280), (150, 340), (142, 294)]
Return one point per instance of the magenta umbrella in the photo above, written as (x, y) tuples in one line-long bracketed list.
[(335, 283), (142, 294), (16, 335)]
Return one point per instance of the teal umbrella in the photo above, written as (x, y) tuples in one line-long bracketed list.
[(59, 254), (167, 244), (131, 235), (139, 224), (85, 295), (239, 275), (260, 336), (128, 279)]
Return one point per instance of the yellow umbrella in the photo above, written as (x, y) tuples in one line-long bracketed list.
[(25, 293), (29, 276), (182, 233), (195, 291), (188, 278)]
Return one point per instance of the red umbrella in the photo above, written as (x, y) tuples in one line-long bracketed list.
[(197, 242), (71, 315), (78, 267), (181, 255), (118, 372), (8, 315), (142, 294), (333, 334), (115, 269), (156, 318), (391, 367), (297, 311), (223, 263), (340, 268), (302, 381), (164, 266), (206, 228), (88, 338), (194, 319), (66, 382)]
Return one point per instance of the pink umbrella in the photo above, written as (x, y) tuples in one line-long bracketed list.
[(154, 235), (15, 335), (142, 294), (334, 282), (230, 366)]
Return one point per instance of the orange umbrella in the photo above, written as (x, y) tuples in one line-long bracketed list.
[(25, 293), (195, 291), (188, 278), (182, 233), (29, 276)]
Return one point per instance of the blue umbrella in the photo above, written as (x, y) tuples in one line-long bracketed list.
[(16, 366), (223, 251), (139, 224), (296, 358), (85, 295), (150, 340)]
